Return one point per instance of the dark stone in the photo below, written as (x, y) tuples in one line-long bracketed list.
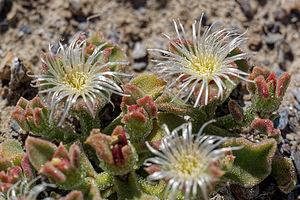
[(273, 27), (270, 40), (3, 27), (293, 127), (245, 193), (246, 8), (296, 93), (255, 46), (281, 15), (284, 53), (136, 4), (24, 29)]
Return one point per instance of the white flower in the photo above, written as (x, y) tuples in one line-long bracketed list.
[(201, 61), (70, 76), (186, 161), (24, 190)]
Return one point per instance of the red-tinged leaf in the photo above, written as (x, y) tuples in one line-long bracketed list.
[(120, 132), (134, 93), (61, 152), (134, 117), (15, 175), (37, 116), (283, 83), (75, 155), (49, 170), (22, 103), (74, 195), (36, 102), (4, 187), (39, 151), (265, 126), (27, 168), (236, 110), (147, 103), (272, 79), (262, 87), (101, 143)]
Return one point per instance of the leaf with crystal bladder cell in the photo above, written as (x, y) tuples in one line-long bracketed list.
[(39, 151), (252, 163), (13, 150), (149, 84), (10, 148), (284, 173)]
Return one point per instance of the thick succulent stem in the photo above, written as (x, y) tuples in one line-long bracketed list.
[(132, 189)]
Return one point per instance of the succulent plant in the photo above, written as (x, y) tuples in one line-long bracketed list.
[(164, 143)]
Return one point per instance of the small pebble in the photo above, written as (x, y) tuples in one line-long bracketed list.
[(281, 15), (290, 136), (15, 127), (82, 26), (286, 148), (139, 66), (296, 158), (297, 106), (24, 30), (296, 93), (293, 126), (18, 72), (246, 8), (75, 6), (284, 119), (270, 40), (139, 51), (55, 47)]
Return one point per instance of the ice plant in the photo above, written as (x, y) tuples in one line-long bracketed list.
[(202, 61), (71, 75), (187, 161), (181, 137)]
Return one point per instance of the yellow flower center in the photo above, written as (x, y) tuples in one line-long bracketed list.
[(204, 65), (75, 80), (189, 165)]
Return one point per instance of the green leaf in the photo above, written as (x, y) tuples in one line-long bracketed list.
[(39, 151), (171, 120), (10, 148), (149, 84), (284, 173), (252, 163)]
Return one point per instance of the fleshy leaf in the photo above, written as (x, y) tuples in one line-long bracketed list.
[(39, 151), (10, 148), (149, 84), (252, 163), (284, 173)]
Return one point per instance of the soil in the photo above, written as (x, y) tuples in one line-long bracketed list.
[(27, 27)]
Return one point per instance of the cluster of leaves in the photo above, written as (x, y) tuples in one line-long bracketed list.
[(94, 162)]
